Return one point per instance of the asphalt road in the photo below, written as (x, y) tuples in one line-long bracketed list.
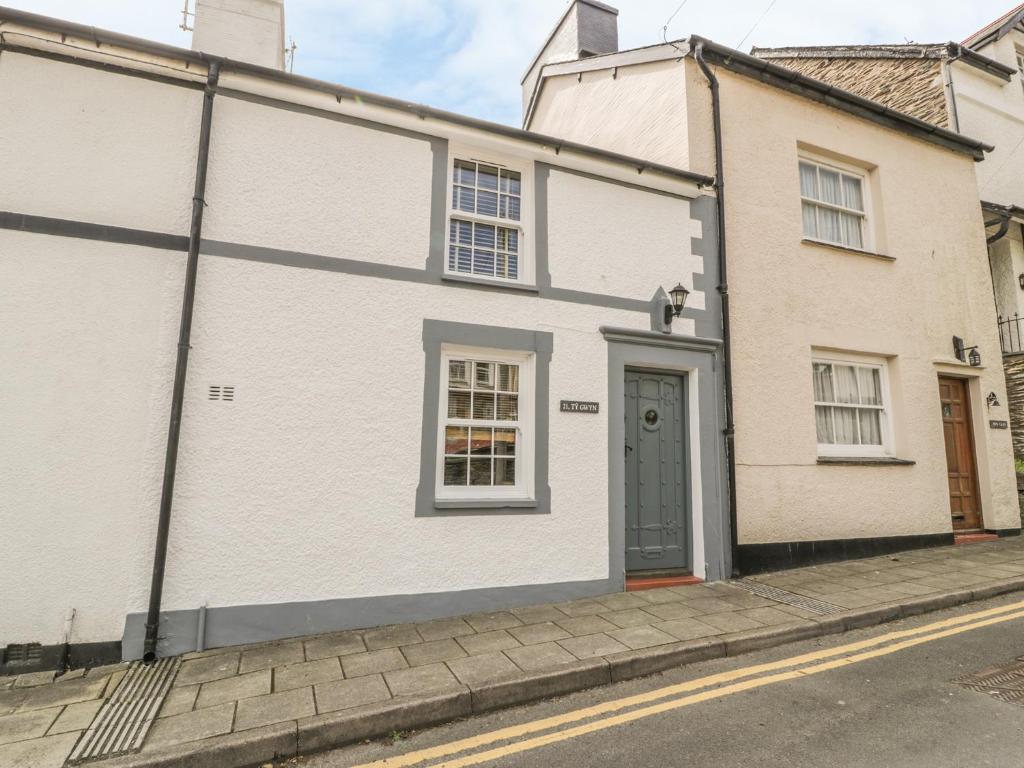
[(879, 705)]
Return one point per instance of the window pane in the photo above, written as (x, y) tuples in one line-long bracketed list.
[(870, 427), (461, 232), (846, 383), (810, 215), (852, 195), (483, 377), (465, 173), (458, 374), (829, 225), (483, 263), (508, 407), (510, 207), (510, 182), (464, 260), (508, 378), (487, 177), (455, 471), (504, 471), (870, 386), (483, 405), (809, 181), (852, 235), (462, 199), (458, 405), (830, 187), (480, 442), (823, 422), (824, 392), (846, 425), (456, 441), (483, 236), (480, 471), (504, 442), (513, 266), (487, 203)]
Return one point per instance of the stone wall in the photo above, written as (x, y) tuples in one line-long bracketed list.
[(1013, 366)]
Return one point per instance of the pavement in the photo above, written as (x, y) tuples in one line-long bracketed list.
[(901, 708), (241, 706)]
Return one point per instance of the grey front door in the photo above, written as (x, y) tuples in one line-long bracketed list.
[(657, 528)]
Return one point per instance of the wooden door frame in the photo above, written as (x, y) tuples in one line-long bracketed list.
[(972, 437), (684, 376)]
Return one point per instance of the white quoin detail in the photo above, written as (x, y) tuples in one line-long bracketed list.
[(244, 30)]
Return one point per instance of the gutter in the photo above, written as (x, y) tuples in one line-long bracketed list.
[(984, 63), (181, 367), (1004, 214), (723, 291), (103, 37)]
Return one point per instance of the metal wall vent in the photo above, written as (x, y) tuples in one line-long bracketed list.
[(222, 392), (19, 654)]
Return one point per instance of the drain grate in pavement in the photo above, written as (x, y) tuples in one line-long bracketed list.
[(789, 598), (1005, 683), (124, 720)]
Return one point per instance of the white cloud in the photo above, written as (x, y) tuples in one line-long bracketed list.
[(468, 55)]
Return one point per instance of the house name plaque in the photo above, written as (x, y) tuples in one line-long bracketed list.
[(578, 406), (998, 425)]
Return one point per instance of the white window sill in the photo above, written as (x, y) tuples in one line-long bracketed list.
[(507, 285), (866, 461), (846, 249)]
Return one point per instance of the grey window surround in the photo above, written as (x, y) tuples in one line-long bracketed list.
[(437, 333), (846, 249), (866, 461)]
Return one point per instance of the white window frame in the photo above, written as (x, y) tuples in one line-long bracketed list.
[(525, 457), (867, 234), (527, 267), (1019, 54), (885, 411)]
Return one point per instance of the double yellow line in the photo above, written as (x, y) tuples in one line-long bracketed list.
[(601, 716)]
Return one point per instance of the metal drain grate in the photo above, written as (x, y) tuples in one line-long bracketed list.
[(124, 720), (789, 598), (1005, 683)]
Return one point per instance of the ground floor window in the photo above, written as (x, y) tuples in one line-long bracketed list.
[(850, 407)]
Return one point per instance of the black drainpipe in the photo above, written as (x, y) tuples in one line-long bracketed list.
[(723, 290), (181, 367)]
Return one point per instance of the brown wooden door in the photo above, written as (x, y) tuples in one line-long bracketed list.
[(963, 473)]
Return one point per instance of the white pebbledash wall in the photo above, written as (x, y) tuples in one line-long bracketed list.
[(789, 298), (303, 488)]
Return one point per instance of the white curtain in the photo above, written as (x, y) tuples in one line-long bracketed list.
[(870, 428), (823, 390), (846, 426), (823, 421), (846, 384)]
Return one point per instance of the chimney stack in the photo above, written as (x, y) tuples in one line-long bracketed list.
[(243, 30), (587, 28)]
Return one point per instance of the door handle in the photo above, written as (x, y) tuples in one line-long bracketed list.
[(628, 449)]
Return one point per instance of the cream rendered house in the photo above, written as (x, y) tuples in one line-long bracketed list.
[(855, 254), (975, 88), (418, 343)]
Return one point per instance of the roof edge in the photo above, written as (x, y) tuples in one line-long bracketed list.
[(787, 79), (100, 36)]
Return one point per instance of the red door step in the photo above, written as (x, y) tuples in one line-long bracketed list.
[(638, 583), (973, 538)]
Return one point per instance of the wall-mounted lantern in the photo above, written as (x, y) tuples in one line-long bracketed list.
[(966, 354), (675, 309), (992, 400)]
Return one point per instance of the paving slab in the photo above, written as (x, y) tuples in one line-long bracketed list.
[(56, 694), (633, 617), (76, 717), (47, 752), (11, 699), (191, 726), (233, 688), (591, 646), (272, 656), (586, 625), (480, 670), (688, 629), (391, 637), (306, 673), (179, 700), (667, 611), (421, 681), (345, 694), (32, 679), (27, 725), (642, 637), (372, 662), (532, 634), (209, 668), (487, 642), (729, 622), (538, 614), (535, 658), (326, 646), (274, 708), (432, 652), (444, 629), (488, 622)]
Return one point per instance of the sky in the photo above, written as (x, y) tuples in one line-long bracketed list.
[(468, 56)]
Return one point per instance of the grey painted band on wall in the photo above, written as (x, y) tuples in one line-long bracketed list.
[(436, 333), (238, 624)]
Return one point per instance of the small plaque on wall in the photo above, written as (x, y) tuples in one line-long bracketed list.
[(999, 425), (579, 406)]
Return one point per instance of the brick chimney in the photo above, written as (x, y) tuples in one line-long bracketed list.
[(587, 28), (243, 30)]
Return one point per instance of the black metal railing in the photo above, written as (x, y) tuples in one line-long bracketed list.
[(1011, 334)]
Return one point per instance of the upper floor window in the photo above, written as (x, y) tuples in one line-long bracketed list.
[(850, 407), (1020, 66), (834, 208), (485, 235)]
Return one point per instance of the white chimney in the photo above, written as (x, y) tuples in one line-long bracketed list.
[(587, 28), (243, 30)]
